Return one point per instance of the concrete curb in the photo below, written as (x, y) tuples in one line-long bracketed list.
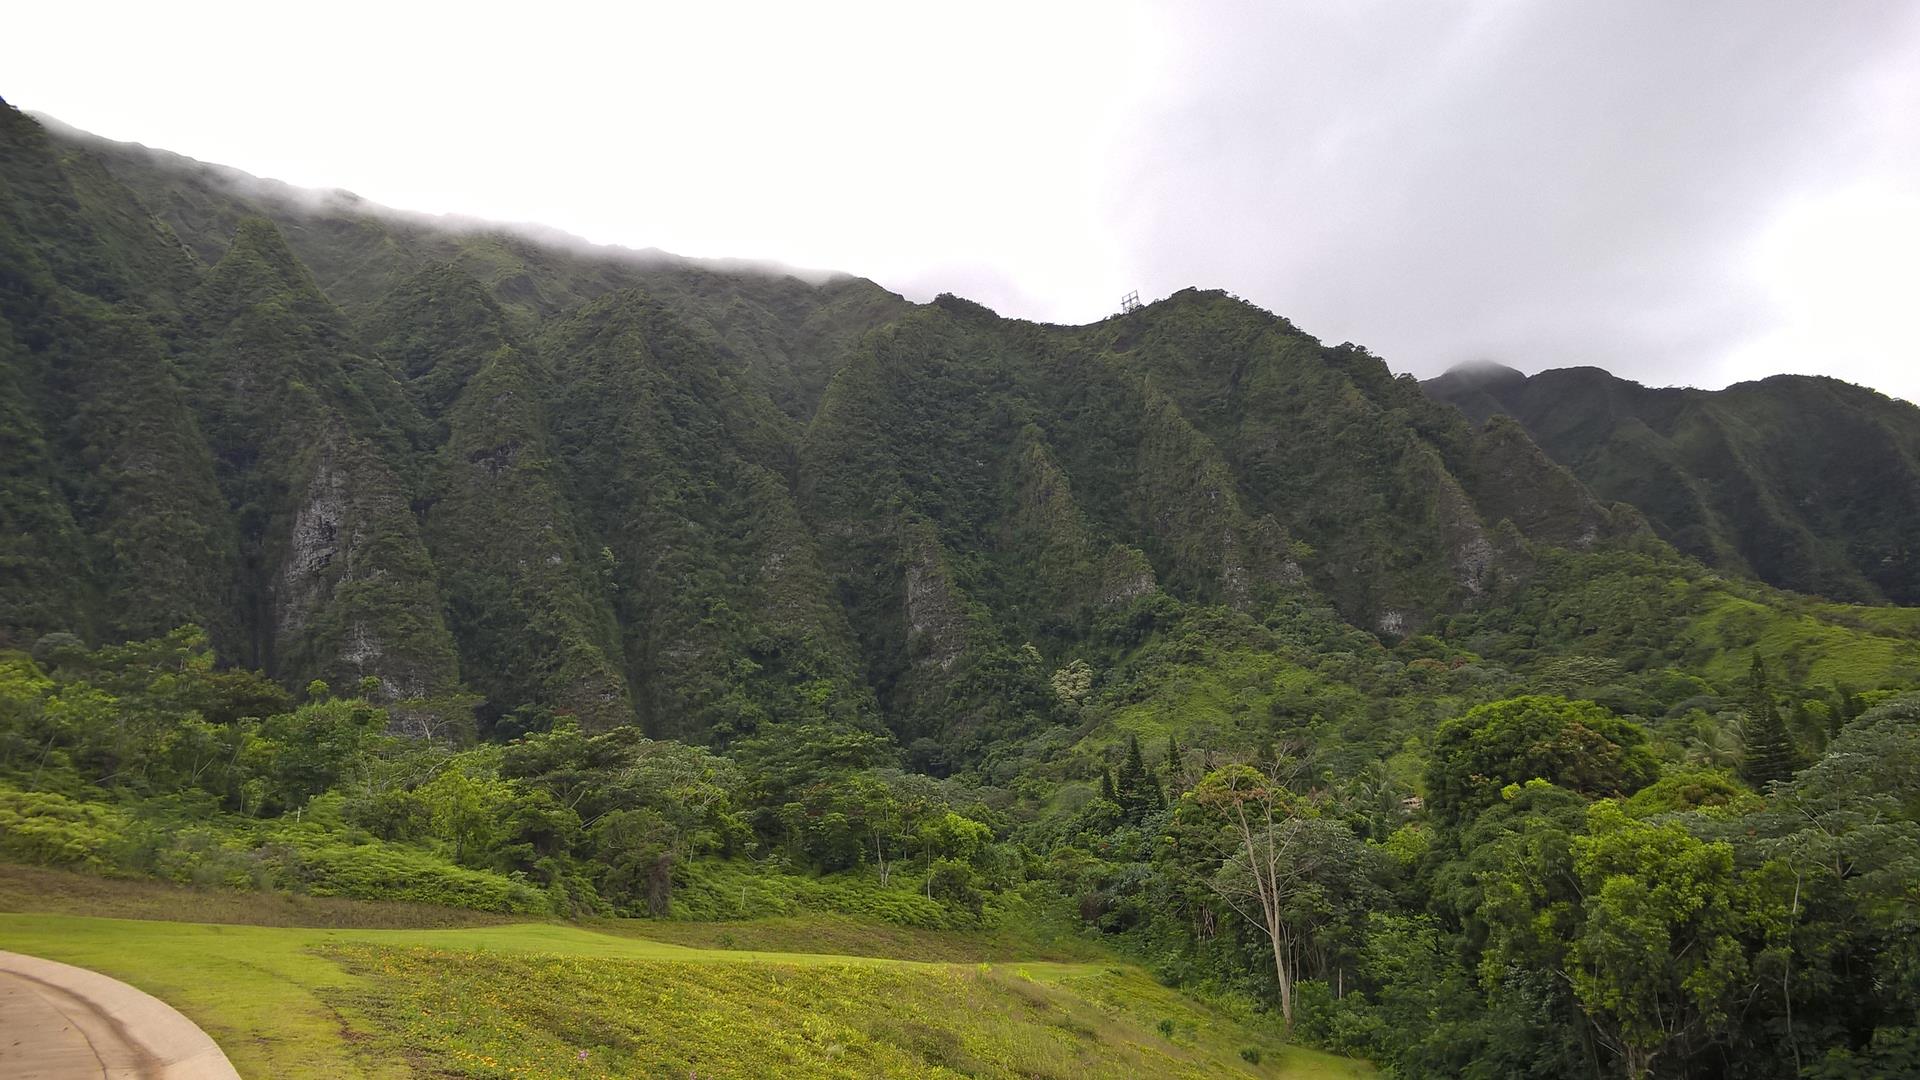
[(85, 1024)]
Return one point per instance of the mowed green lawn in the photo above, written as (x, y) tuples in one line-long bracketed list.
[(554, 1000)]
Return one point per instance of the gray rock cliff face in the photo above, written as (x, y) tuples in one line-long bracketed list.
[(935, 611), (354, 594), (1125, 576), (316, 542)]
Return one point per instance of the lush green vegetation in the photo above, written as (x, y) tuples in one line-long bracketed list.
[(320, 799), (147, 759), (1809, 483), (348, 557)]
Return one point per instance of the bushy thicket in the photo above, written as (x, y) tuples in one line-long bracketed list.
[(145, 758)]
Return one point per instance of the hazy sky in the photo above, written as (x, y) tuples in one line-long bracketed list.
[(1692, 192)]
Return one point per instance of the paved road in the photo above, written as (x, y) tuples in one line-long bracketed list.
[(59, 1022)]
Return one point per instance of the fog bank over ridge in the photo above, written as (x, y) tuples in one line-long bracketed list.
[(1692, 195)]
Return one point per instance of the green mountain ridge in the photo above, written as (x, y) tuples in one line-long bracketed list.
[(635, 488), (1805, 482), (473, 464)]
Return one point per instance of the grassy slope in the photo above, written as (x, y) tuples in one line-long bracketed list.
[(849, 936), (527, 999), (1810, 643)]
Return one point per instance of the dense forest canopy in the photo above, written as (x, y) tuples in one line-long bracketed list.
[(366, 554)]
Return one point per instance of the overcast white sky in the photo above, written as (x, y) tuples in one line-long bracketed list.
[(1691, 193)]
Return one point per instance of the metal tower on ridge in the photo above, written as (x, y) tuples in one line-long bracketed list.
[(1130, 303)]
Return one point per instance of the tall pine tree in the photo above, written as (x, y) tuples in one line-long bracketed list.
[(1769, 753), (1130, 787)]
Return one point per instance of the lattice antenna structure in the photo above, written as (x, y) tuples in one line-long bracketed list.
[(1130, 303)]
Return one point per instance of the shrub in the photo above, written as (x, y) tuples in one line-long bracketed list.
[(194, 856), (390, 872), (709, 889), (50, 829)]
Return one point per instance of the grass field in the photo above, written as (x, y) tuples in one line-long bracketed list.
[(367, 996), (1823, 645)]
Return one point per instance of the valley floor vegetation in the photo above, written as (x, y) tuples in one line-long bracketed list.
[(1591, 880)]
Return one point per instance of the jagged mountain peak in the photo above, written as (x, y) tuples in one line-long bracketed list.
[(258, 266)]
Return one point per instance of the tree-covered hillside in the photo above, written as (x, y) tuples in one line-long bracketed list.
[(360, 553), (464, 461), (1807, 483)]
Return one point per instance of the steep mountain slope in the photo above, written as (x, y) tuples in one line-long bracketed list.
[(523, 591), (1808, 483), (469, 464), (788, 329), (1402, 504), (682, 467), (113, 524), (310, 441), (1015, 484)]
